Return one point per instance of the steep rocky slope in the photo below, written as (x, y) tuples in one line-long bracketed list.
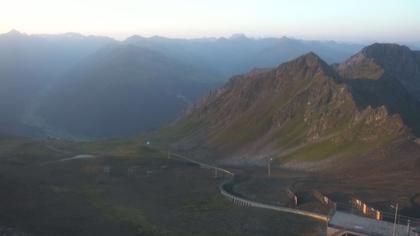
[(386, 75), (301, 111)]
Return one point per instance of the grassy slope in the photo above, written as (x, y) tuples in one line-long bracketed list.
[(175, 199)]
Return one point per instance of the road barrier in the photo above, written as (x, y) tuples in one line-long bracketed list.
[(229, 194), (244, 202), (238, 200)]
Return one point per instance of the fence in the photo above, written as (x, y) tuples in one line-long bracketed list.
[(241, 201), (248, 203)]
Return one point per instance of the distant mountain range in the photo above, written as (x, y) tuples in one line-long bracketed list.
[(88, 86), (308, 114), (239, 54), (122, 90), (29, 64)]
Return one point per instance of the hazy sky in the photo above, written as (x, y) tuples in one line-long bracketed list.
[(345, 20)]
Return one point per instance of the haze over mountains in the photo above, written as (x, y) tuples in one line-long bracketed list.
[(239, 54), (29, 64), (123, 90), (308, 113), (71, 85)]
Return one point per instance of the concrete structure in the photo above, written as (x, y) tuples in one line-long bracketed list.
[(342, 222)]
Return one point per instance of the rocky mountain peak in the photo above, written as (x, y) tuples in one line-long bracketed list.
[(310, 59), (394, 59), (307, 66), (381, 51), (385, 61)]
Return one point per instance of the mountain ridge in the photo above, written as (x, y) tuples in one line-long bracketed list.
[(302, 110), (389, 75), (392, 60), (31, 64)]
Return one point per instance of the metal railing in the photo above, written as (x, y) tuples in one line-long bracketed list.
[(241, 201)]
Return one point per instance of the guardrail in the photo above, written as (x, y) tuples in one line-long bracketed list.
[(244, 202), (241, 201), (249, 203)]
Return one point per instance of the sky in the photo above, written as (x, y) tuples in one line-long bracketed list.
[(342, 20)]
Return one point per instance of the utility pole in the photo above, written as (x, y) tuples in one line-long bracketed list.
[(408, 227), (269, 167), (394, 231)]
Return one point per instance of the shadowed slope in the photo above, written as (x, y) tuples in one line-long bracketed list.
[(386, 75), (298, 111), (120, 91)]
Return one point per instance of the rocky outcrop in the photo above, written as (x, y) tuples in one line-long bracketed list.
[(386, 60), (386, 75)]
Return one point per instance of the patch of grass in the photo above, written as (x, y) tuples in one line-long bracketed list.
[(214, 203), (58, 189), (134, 217), (325, 149), (329, 148), (417, 199), (293, 133), (244, 130), (251, 126), (183, 129), (27, 151), (114, 147), (120, 148)]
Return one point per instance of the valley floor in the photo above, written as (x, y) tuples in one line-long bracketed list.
[(146, 194), (143, 192)]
